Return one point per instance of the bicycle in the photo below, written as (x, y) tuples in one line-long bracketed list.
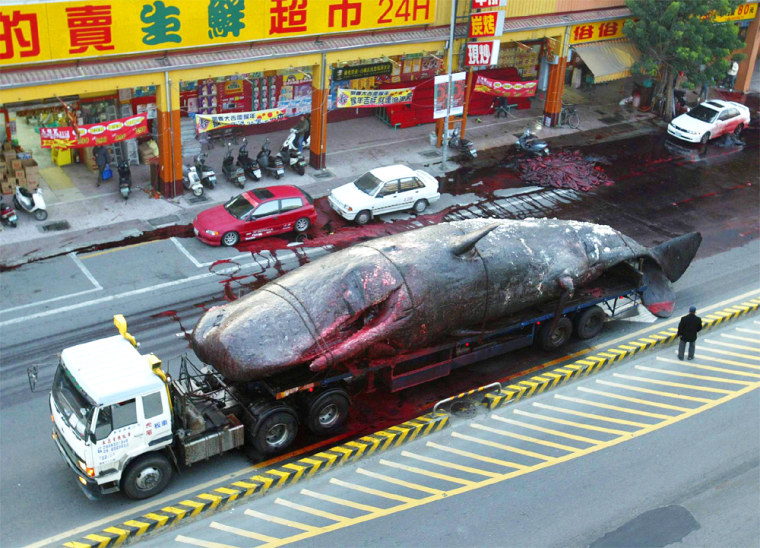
[(569, 116)]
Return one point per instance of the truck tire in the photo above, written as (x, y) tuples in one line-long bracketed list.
[(328, 411), (275, 429), (552, 340), (146, 476), (589, 322)]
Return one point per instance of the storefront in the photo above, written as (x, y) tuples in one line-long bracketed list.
[(600, 53)]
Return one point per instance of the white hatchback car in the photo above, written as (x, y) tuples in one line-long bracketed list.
[(709, 120), (383, 190)]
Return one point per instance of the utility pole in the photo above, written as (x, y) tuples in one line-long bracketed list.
[(449, 91)]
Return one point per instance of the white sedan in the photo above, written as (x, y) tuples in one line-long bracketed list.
[(709, 120), (383, 190)]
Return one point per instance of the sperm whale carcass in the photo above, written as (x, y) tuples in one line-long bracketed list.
[(402, 292)]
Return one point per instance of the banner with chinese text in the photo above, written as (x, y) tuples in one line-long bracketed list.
[(593, 32), (506, 89), (441, 89), (209, 122), (91, 135), (70, 29), (362, 98)]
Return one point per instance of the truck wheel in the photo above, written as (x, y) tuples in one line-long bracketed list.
[(275, 430), (589, 322), (328, 412), (551, 340), (146, 476)]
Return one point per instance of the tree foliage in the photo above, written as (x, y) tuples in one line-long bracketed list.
[(683, 37)]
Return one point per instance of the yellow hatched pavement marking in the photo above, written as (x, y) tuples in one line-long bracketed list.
[(589, 415), (613, 407), (371, 491), (198, 542), (565, 422), (550, 431), (724, 370), (309, 510), (687, 386), (475, 456), (633, 400), (692, 375), (734, 346), (281, 521), (423, 472), (706, 348), (446, 464), (522, 437), (342, 502), (738, 338), (502, 447), (241, 532), (702, 357), (750, 331), (400, 482), (649, 391)]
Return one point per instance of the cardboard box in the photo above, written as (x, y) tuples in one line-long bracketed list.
[(7, 146), (7, 188), (20, 175), (9, 155), (16, 164), (31, 186), (13, 181), (30, 167), (3, 166)]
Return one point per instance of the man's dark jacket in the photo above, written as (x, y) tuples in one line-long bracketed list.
[(689, 326)]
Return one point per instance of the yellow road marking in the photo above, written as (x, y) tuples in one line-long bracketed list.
[(112, 250), (502, 447), (695, 387), (724, 370), (745, 330), (522, 437), (475, 456), (730, 345), (738, 338), (692, 375), (548, 430), (281, 521), (342, 502), (633, 400), (653, 392), (199, 542), (371, 491), (240, 532), (706, 348), (590, 415), (612, 407), (423, 472), (400, 482), (710, 358), (565, 422), (446, 464), (309, 510)]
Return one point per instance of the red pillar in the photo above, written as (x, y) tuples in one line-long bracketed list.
[(556, 86)]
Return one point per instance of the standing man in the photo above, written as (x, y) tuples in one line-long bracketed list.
[(688, 328), (102, 159), (731, 75), (302, 130)]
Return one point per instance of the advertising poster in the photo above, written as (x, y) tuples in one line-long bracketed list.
[(359, 98), (441, 84), (506, 89), (209, 122), (91, 135)]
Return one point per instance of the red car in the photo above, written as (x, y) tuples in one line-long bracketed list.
[(256, 214)]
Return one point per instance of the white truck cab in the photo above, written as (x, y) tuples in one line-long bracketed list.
[(112, 416)]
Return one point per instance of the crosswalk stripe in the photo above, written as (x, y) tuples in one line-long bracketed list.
[(501, 446), (632, 399), (241, 532), (724, 370), (731, 345), (751, 331), (403, 483), (309, 510), (653, 392), (706, 348), (342, 502), (695, 387), (199, 542), (523, 437), (589, 415), (446, 464), (428, 473), (281, 521), (565, 422), (738, 338), (613, 407), (463, 453), (371, 491), (693, 376), (550, 431)]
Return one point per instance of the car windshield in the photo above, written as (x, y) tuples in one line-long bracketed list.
[(703, 113), (367, 183), (71, 402), (238, 207)]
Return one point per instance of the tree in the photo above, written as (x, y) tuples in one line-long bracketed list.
[(682, 37)]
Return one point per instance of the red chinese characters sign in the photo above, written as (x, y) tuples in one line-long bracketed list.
[(481, 4), (94, 134), (486, 23), (593, 32), (480, 54), (506, 89)]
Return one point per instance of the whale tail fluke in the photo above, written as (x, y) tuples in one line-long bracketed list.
[(674, 256)]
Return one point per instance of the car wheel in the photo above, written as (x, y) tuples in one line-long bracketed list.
[(420, 206), (363, 217), (230, 238), (302, 224), (738, 130), (705, 138)]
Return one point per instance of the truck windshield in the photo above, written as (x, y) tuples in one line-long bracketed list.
[(71, 402)]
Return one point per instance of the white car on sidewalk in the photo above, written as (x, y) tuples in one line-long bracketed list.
[(709, 120), (383, 190)]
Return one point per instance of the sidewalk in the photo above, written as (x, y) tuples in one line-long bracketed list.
[(83, 215)]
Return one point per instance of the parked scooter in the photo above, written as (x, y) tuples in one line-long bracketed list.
[(290, 154), (125, 179), (8, 215), (463, 146), (271, 164), (531, 143), (232, 173), (33, 203), (207, 175), (191, 181), (250, 166)]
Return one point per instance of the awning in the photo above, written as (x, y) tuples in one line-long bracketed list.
[(608, 60)]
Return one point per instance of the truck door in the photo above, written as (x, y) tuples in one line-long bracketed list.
[(118, 432), (158, 427)]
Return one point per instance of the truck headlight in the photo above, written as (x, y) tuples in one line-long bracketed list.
[(89, 471)]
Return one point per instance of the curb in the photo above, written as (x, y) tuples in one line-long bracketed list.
[(266, 481)]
